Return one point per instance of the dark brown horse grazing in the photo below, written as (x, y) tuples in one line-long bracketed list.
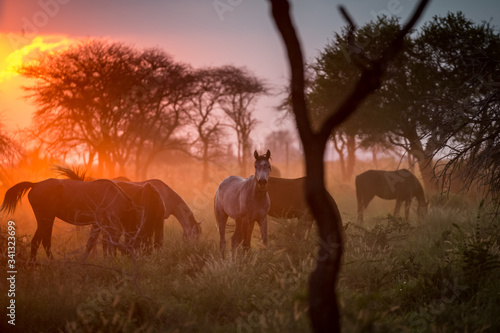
[(246, 201), (288, 199), (176, 206), (172, 202), (400, 185), (148, 199), (98, 202)]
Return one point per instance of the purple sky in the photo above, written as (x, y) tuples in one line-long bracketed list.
[(240, 32)]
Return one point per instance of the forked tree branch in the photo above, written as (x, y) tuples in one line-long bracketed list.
[(323, 307)]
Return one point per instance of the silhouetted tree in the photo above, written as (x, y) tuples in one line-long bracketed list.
[(108, 100), (463, 60), (81, 98), (159, 101), (427, 102), (323, 307), (334, 74), (204, 115), (241, 92)]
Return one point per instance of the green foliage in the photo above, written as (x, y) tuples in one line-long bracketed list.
[(478, 248), (438, 97), (439, 275)]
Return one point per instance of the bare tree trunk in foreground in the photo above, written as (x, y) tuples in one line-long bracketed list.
[(323, 306)]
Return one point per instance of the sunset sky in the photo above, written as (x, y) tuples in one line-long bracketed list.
[(199, 33)]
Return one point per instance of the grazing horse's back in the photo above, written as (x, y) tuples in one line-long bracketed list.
[(173, 204), (288, 198), (98, 202), (400, 185)]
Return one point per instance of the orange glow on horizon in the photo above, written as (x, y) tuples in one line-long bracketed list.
[(9, 62), (15, 111)]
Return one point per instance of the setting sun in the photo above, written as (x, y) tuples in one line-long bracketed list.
[(11, 60)]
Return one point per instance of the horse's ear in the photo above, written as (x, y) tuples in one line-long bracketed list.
[(255, 154), (268, 154)]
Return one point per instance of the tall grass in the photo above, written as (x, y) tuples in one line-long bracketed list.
[(437, 274)]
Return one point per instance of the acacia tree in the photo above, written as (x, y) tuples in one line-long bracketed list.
[(323, 307), (108, 100), (241, 90), (81, 98)]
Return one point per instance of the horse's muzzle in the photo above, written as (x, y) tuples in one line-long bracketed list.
[(262, 184)]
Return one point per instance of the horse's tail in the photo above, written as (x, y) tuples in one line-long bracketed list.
[(14, 194)]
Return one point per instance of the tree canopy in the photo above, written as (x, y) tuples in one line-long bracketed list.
[(438, 98), (118, 106)]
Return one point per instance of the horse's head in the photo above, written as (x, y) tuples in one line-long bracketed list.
[(194, 232), (262, 169)]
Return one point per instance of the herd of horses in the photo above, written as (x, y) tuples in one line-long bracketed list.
[(137, 210)]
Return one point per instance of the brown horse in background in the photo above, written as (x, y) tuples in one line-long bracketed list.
[(99, 203), (400, 185), (246, 201), (148, 199), (288, 200)]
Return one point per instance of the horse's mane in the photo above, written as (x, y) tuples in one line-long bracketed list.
[(76, 174), (71, 173)]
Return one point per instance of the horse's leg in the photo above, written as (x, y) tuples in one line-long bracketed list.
[(94, 234), (398, 207), (159, 235), (247, 232), (237, 237), (263, 230), (221, 218), (35, 243), (114, 239), (40, 235), (43, 230), (407, 209), (47, 237), (361, 209), (106, 244), (363, 203)]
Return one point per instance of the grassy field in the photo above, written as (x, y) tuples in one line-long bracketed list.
[(440, 274)]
